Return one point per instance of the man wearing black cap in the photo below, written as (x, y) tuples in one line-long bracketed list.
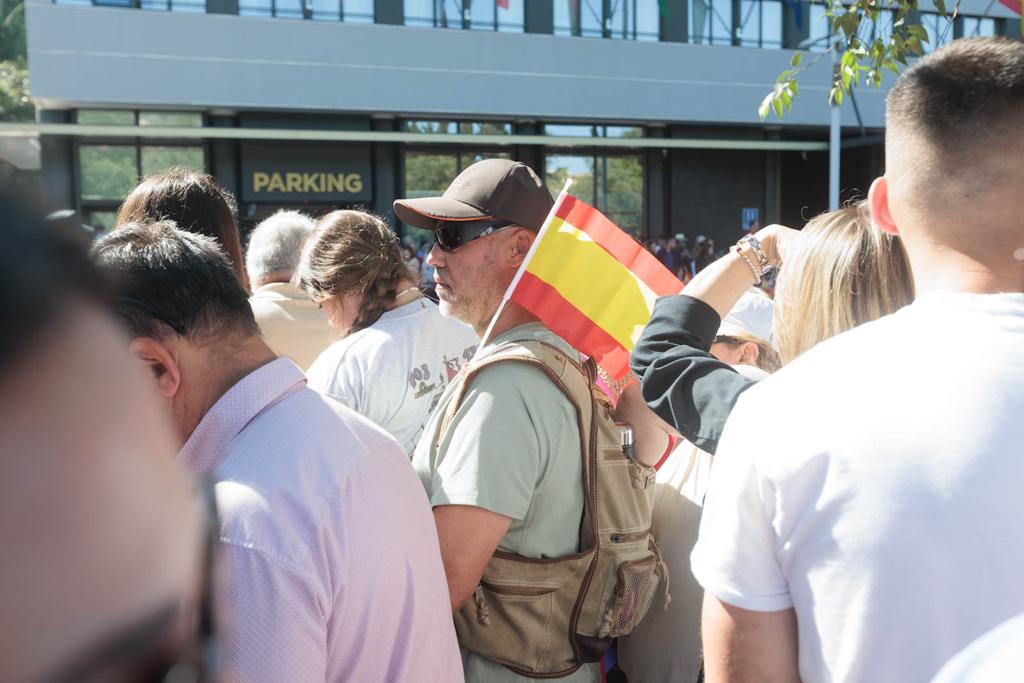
[(504, 472)]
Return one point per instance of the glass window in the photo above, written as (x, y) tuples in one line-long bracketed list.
[(511, 16), (256, 8), (429, 174), (940, 30), (760, 23), (818, 28), (462, 127), (108, 172), (324, 10), (482, 15), (590, 17), (584, 131), (711, 21), (192, 119), (288, 9), (620, 131), (101, 221), (622, 192), (978, 26), (579, 18), (79, 3), (357, 11), (633, 19), (485, 128), (157, 158), (106, 117), (419, 12), (614, 184), (193, 6), (113, 3)]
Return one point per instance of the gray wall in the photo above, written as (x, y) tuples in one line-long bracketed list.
[(101, 56)]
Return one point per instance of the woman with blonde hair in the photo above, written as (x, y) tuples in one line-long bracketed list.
[(397, 352), (839, 272)]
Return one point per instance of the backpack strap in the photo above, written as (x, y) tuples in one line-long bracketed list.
[(556, 364)]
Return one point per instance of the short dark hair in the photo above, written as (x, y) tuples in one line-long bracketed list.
[(960, 92), (44, 269), (195, 202), (165, 280)]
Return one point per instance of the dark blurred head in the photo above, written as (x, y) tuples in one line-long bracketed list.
[(195, 202), (91, 497)]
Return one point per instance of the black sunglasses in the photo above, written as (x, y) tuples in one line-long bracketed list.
[(450, 235)]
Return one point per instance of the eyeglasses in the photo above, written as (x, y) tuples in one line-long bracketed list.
[(450, 235)]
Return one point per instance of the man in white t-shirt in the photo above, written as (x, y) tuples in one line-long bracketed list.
[(862, 521)]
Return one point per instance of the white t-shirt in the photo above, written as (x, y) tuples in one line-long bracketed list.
[(875, 486), (394, 371), (996, 657)]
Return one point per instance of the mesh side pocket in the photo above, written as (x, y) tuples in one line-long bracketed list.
[(634, 590)]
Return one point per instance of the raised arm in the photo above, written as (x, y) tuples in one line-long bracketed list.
[(680, 380)]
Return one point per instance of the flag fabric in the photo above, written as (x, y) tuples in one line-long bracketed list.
[(1012, 4), (592, 284), (503, 4)]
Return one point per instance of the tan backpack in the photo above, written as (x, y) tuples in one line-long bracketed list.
[(543, 618)]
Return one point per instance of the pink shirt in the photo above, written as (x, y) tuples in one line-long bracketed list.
[(329, 547)]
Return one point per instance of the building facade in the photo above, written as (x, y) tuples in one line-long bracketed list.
[(650, 105)]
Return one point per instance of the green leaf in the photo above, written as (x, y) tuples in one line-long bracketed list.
[(941, 6), (786, 100), (777, 105), (796, 59)]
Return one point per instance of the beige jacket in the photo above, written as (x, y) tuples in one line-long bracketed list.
[(291, 323)]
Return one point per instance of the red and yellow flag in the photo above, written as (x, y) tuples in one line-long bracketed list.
[(592, 284)]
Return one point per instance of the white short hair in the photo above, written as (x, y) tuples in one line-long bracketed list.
[(275, 246)]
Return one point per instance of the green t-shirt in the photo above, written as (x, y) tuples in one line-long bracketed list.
[(513, 447)]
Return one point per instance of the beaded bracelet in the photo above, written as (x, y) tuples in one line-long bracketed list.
[(739, 251), (755, 245)]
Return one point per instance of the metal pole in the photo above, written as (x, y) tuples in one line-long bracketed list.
[(834, 141)]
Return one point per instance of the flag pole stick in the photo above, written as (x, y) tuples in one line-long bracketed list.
[(522, 267)]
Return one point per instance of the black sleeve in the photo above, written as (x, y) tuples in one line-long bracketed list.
[(679, 379)]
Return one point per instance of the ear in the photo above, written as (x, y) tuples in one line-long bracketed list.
[(521, 245), (878, 200), (749, 353), (159, 361)]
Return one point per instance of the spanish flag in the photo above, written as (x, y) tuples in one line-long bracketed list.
[(591, 283)]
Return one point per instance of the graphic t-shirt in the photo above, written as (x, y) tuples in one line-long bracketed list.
[(874, 486), (395, 371)]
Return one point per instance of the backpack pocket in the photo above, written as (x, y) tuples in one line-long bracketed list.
[(629, 594)]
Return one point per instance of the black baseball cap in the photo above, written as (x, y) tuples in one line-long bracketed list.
[(493, 188)]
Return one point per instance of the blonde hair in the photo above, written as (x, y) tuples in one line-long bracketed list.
[(842, 272), (353, 252)]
